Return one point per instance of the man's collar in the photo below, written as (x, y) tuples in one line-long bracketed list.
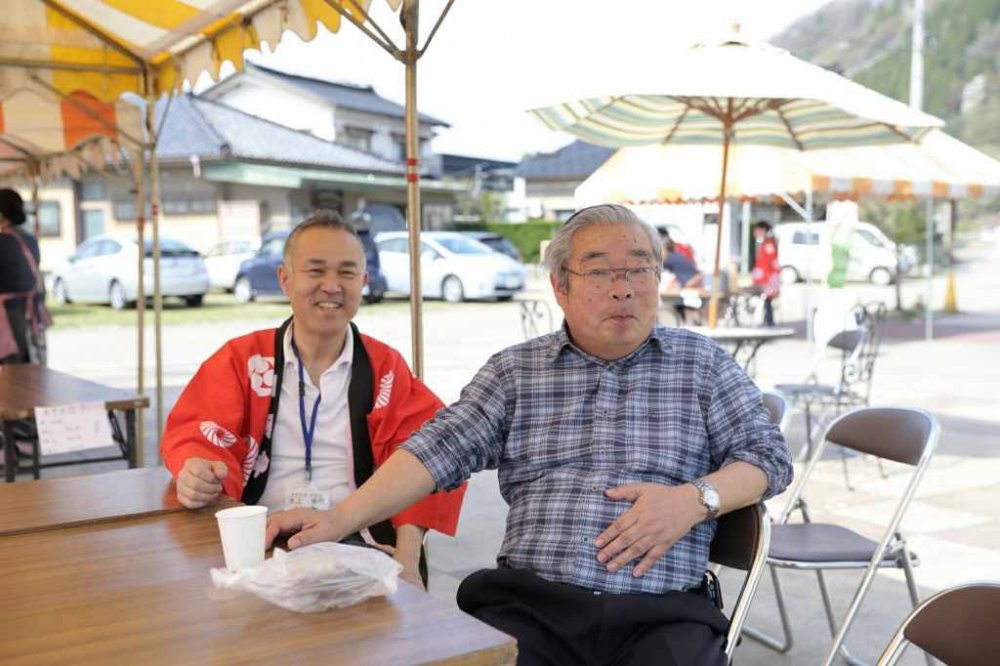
[(346, 354), (659, 337)]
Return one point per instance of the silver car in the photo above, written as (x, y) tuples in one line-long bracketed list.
[(103, 270)]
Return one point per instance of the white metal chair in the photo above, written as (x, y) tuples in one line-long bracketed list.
[(906, 436), (857, 346), (960, 626)]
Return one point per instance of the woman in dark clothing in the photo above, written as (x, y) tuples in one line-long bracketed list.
[(685, 276), (21, 288)]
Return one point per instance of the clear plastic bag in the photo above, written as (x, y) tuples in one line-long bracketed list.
[(316, 577)]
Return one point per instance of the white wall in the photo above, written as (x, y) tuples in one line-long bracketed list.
[(291, 110)]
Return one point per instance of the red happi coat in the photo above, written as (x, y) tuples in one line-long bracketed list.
[(223, 413), (767, 269)]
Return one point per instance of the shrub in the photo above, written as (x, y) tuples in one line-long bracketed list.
[(526, 237)]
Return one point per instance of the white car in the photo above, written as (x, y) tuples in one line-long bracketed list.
[(453, 267), (104, 270), (806, 249), (223, 261)]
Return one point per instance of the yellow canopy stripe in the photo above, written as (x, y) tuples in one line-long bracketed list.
[(109, 48)]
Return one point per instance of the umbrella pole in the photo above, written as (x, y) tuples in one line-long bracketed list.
[(713, 304), (413, 185)]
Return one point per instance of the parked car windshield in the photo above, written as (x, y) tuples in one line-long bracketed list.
[(170, 248), (459, 245)]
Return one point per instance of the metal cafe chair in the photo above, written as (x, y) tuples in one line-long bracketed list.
[(960, 626), (906, 436), (741, 542), (858, 348)]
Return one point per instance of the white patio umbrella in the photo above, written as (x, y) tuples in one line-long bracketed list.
[(731, 94)]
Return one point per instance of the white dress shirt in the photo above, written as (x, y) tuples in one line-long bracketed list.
[(332, 454)]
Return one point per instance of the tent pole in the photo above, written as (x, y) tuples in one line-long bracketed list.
[(35, 175), (808, 296), (410, 16), (727, 129), (745, 264), (154, 195), (139, 174), (929, 309)]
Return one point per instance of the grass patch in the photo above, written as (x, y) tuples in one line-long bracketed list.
[(216, 308)]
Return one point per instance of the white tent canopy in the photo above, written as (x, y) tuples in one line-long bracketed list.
[(939, 166)]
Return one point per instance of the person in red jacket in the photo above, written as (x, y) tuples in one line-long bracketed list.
[(766, 268), (301, 415)]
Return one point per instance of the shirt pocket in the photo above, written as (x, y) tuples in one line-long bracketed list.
[(666, 436)]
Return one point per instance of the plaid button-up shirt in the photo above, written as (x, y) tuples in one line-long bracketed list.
[(562, 426)]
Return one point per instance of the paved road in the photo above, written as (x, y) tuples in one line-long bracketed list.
[(954, 523)]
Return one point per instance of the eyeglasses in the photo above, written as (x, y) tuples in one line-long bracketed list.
[(641, 278)]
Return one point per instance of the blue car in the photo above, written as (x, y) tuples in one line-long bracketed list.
[(258, 276)]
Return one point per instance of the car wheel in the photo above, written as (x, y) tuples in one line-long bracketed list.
[(505, 298), (116, 296), (452, 290), (242, 289), (59, 292), (194, 301), (789, 275), (880, 276)]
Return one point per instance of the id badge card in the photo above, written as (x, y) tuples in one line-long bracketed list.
[(307, 497)]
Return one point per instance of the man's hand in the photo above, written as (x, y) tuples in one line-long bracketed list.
[(304, 526), (200, 482), (660, 515)]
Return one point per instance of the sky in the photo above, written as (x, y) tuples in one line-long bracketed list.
[(492, 60)]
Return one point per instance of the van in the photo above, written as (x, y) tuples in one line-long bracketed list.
[(872, 256)]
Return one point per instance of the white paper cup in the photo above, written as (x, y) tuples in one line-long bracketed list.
[(242, 530)]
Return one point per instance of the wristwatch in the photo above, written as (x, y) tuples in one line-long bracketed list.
[(708, 496)]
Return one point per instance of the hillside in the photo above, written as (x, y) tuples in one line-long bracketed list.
[(869, 41)]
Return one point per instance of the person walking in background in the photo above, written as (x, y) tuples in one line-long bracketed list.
[(766, 268), (23, 317)]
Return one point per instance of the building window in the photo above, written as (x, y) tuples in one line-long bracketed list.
[(357, 137), (124, 210), (93, 189), (49, 218), (399, 142)]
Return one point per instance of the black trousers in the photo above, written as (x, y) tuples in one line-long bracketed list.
[(556, 623)]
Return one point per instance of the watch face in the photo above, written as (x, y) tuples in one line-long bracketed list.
[(712, 498)]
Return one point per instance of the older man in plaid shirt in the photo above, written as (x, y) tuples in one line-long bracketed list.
[(618, 442)]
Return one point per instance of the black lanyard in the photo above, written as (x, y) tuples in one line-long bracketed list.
[(308, 431)]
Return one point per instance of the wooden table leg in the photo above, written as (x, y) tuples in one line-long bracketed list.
[(133, 458), (9, 453)]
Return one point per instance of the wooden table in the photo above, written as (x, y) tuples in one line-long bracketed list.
[(744, 342), (138, 590), (27, 386), (76, 500)]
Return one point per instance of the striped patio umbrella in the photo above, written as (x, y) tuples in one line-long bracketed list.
[(731, 94)]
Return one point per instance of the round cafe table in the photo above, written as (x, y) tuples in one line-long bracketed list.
[(744, 341)]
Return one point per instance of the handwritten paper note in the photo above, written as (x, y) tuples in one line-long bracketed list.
[(73, 427)]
